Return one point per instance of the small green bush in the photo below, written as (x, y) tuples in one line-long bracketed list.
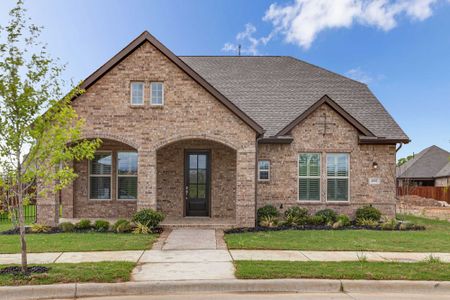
[(267, 211), (118, 222), (316, 220), (268, 221), (141, 229), (83, 225), (148, 217), (368, 212), (295, 216), (389, 224), (367, 222), (344, 220), (101, 226), (66, 227), (39, 228), (329, 215), (124, 227)]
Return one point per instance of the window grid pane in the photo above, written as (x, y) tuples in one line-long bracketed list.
[(157, 93), (137, 93), (337, 177), (309, 176), (263, 169), (127, 170)]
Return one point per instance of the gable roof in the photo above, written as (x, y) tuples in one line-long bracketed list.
[(426, 164), (274, 93), (276, 90), (147, 37)]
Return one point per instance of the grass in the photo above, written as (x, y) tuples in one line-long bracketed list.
[(436, 238), (343, 270), (80, 272), (90, 241)]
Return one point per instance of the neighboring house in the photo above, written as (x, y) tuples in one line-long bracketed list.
[(430, 167), (219, 137)]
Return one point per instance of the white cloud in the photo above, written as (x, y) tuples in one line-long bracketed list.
[(249, 43), (301, 21), (363, 76)]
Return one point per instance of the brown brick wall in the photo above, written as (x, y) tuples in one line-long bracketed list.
[(189, 112), (170, 178), (341, 137)]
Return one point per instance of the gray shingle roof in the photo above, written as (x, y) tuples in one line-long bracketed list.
[(445, 171), (273, 91), (426, 164)]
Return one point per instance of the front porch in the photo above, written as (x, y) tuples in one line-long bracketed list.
[(195, 182)]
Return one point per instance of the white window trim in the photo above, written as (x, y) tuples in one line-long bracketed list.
[(97, 175), (162, 94), (315, 177), (268, 171), (117, 178), (337, 177), (131, 93)]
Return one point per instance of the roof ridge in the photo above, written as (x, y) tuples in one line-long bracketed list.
[(234, 56)]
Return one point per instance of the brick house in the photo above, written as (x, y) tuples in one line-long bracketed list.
[(218, 137)]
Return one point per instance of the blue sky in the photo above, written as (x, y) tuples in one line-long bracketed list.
[(401, 48)]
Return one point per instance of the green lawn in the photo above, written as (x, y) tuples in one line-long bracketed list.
[(436, 238), (81, 272), (343, 270), (77, 242)]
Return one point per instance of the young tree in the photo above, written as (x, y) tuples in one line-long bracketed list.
[(40, 132)]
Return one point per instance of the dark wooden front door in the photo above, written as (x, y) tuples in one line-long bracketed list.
[(197, 183)]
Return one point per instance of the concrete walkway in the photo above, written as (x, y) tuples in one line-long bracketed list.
[(218, 255)]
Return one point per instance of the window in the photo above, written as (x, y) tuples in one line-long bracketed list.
[(127, 175), (263, 170), (157, 93), (100, 176), (337, 177), (137, 93), (309, 177)]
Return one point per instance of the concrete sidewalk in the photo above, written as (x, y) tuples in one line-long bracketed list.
[(218, 255)]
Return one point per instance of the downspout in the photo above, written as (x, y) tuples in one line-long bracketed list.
[(258, 138), (399, 147)]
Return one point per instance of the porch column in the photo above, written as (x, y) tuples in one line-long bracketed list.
[(245, 186), (146, 180), (47, 208)]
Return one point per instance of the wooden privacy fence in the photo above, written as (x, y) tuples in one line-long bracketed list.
[(433, 192)]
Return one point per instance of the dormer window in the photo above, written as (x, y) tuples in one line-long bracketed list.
[(137, 93), (157, 93)]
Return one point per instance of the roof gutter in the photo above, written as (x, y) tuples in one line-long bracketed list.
[(381, 140), (276, 140)]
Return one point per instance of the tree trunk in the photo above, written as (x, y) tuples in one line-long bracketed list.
[(23, 244)]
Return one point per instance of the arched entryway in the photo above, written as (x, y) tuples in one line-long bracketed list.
[(196, 178)]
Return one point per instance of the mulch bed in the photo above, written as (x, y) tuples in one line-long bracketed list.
[(53, 230), (15, 270), (316, 227)]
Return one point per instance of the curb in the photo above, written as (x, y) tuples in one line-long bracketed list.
[(75, 290)]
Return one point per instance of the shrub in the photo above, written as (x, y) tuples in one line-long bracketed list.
[(268, 221), (39, 228), (117, 224), (101, 225), (367, 222), (406, 225), (124, 227), (295, 216), (141, 229), (267, 211), (148, 217), (83, 225), (316, 220), (368, 212), (66, 227), (344, 219), (389, 224), (329, 215)]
